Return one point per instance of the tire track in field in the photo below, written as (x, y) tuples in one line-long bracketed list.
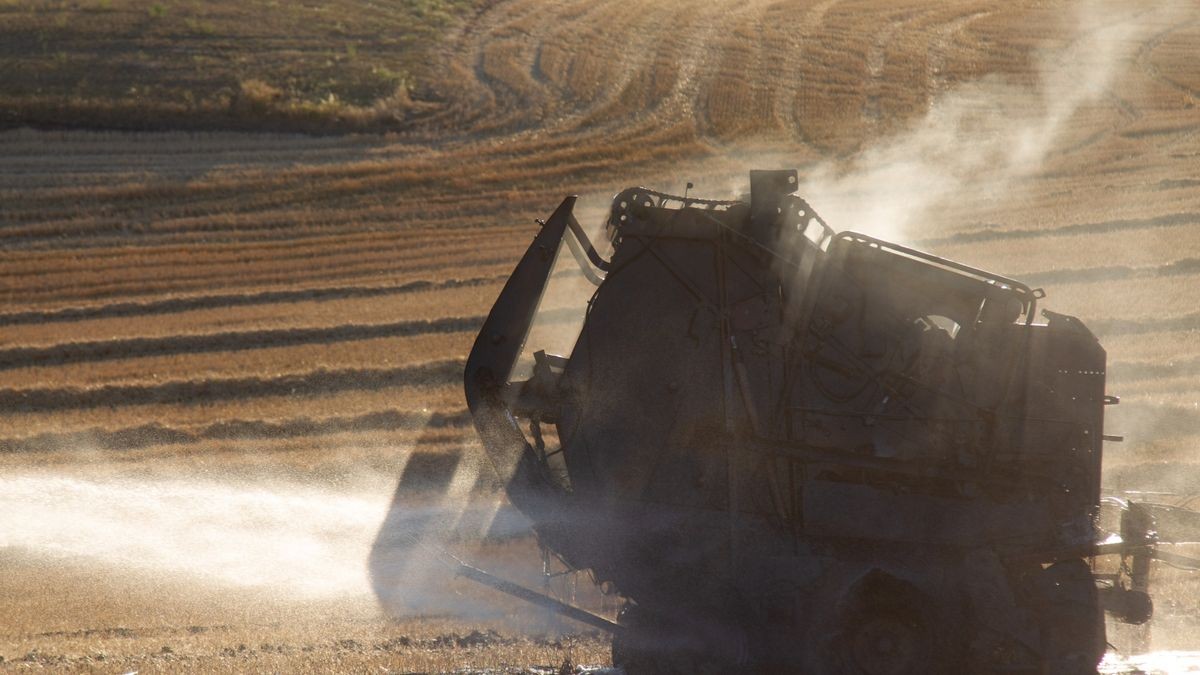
[(470, 98), (501, 61), (199, 392), (633, 26), (727, 72), (711, 63), (791, 85), (643, 44), (154, 434)]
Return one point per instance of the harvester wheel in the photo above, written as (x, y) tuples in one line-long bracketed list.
[(885, 629)]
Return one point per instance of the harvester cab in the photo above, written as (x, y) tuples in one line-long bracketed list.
[(796, 450)]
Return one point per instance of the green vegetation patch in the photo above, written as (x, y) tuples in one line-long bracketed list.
[(312, 65)]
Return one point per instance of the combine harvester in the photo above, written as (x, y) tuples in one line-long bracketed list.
[(792, 450)]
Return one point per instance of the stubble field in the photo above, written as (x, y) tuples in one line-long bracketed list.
[(277, 323)]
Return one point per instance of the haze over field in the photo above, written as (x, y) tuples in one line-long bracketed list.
[(206, 328)]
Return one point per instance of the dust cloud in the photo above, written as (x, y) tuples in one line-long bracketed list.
[(977, 142), (302, 541), (979, 139), (312, 541)]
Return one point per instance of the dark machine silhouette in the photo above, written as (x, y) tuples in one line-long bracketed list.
[(793, 450)]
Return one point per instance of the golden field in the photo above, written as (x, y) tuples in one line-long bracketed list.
[(274, 312)]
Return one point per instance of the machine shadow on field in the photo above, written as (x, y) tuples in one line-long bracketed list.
[(445, 499)]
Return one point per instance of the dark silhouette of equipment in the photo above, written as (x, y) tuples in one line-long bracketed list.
[(793, 450)]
